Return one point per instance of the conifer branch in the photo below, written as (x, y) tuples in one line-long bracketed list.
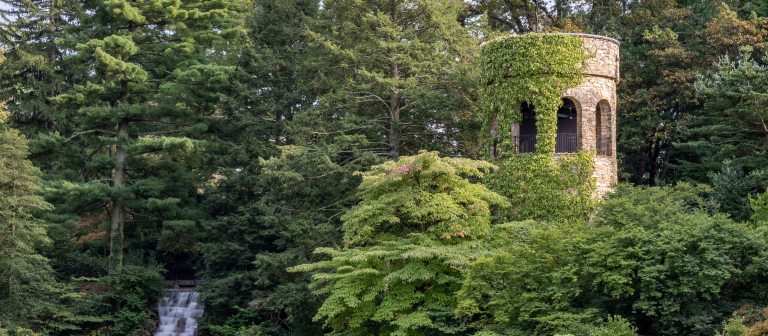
[(77, 134)]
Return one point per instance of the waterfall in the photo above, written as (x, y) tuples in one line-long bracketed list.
[(178, 311)]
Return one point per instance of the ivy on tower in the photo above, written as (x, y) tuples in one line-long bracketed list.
[(534, 68)]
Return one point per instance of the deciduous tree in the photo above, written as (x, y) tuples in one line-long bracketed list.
[(420, 221)]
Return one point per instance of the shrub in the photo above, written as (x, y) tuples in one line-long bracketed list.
[(658, 257)]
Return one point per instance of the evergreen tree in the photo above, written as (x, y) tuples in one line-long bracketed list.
[(35, 69), (728, 140), (268, 88), (664, 45), (733, 125), (397, 72), (732, 188), (272, 202), (152, 78), (26, 278), (265, 223)]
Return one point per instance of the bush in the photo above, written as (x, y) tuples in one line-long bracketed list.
[(613, 326), (658, 257), (132, 317), (135, 290), (759, 206), (672, 265), (734, 327)]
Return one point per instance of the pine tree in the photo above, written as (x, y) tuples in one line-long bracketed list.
[(153, 73), (733, 124), (267, 221), (664, 46), (398, 73), (26, 278), (274, 200), (267, 88), (35, 69)]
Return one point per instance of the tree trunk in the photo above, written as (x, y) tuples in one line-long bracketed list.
[(119, 180), (640, 166), (653, 160), (394, 116)]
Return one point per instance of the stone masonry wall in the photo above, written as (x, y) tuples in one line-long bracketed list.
[(598, 88), (601, 75)]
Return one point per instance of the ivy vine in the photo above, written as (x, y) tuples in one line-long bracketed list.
[(534, 68), (544, 189)]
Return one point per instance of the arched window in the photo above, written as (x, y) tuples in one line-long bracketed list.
[(603, 136), (566, 141)]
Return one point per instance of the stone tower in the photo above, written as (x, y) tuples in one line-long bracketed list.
[(587, 117)]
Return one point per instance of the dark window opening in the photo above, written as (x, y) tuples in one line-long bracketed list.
[(567, 140), (527, 129)]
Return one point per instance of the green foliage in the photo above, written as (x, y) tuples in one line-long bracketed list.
[(683, 267), (35, 69), (400, 73), (529, 16), (732, 189), (241, 323), (733, 327), (131, 319), (27, 287), (539, 187), (271, 216), (614, 326), (139, 113), (416, 228), (542, 286), (759, 206), (19, 331), (268, 88), (135, 290), (397, 287), (534, 68), (423, 193), (223, 139), (140, 281), (655, 256), (731, 124), (668, 129)]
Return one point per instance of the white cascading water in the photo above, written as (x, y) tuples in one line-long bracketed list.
[(179, 311)]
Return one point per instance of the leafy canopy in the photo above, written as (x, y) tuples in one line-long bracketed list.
[(655, 256), (418, 224)]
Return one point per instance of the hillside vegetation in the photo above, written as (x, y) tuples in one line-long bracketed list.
[(323, 167)]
